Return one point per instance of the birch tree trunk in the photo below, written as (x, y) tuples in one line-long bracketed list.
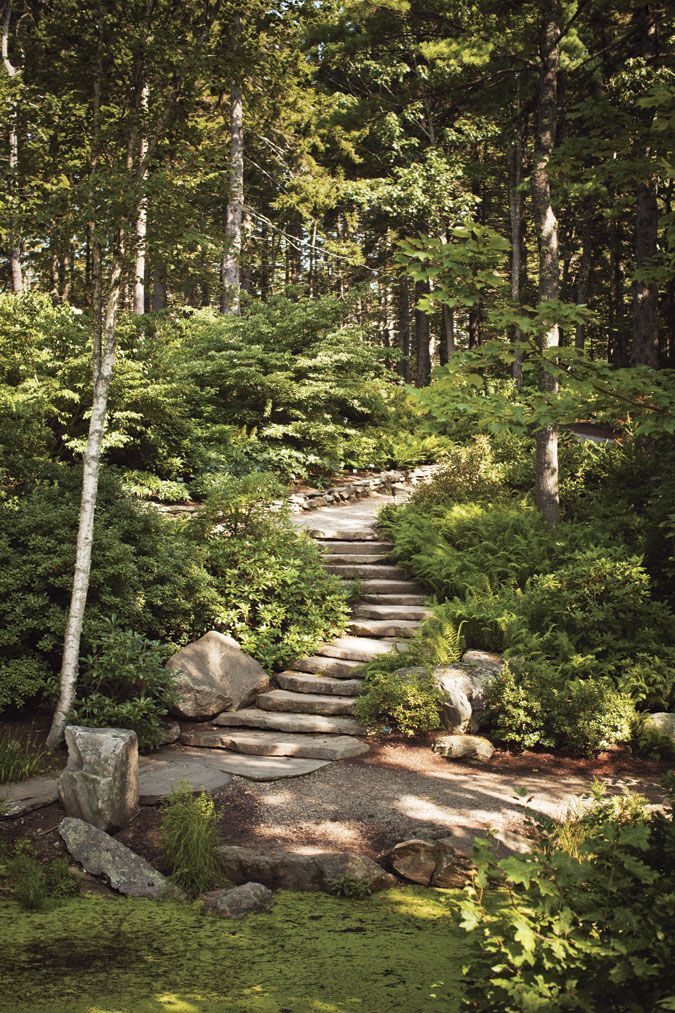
[(547, 495), (230, 284), (141, 224), (13, 143), (105, 349)]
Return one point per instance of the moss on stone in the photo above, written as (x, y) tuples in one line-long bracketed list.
[(312, 952)]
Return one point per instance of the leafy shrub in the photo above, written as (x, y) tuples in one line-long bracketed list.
[(534, 703), (20, 759), (468, 473), (406, 701), (189, 835), (583, 922), (147, 486), (124, 683), (350, 887)]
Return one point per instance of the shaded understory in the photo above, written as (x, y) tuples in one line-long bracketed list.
[(399, 950)]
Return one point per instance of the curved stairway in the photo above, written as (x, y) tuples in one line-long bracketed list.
[(310, 714)]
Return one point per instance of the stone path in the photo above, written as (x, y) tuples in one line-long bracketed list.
[(311, 712)]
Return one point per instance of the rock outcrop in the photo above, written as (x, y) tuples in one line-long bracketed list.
[(100, 782), (212, 675)]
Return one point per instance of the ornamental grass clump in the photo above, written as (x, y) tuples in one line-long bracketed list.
[(189, 835)]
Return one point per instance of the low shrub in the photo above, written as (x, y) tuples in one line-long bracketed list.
[(467, 473), (405, 701), (189, 836), (532, 702), (31, 882), (350, 887), (124, 683), (583, 922)]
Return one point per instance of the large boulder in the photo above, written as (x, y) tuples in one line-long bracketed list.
[(291, 871), (237, 901), (463, 688), (101, 855), (464, 747), (429, 862), (100, 782), (212, 675), (661, 723)]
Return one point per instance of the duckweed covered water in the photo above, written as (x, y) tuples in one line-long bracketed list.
[(400, 950)]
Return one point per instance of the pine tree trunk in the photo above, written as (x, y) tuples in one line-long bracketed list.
[(13, 144), (547, 494), (583, 278), (159, 286), (404, 328), (516, 214), (422, 340), (103, 365), (447, 346), (230, 284)]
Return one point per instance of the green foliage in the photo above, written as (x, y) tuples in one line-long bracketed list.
[(124, 684), (533, 703), (467, 473), (20, 758), (583, 922), (350, 887), (189, 836), (32, 883), (406, 701), (147, 486)]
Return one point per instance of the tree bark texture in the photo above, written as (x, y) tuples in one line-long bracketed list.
[(422, 340), (516, 214), (230, 284), (404, 328), (141, 224), (547, 494), (103, 366), (13, 143)]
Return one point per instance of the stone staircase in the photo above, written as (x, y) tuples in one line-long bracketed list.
[(311, 713)]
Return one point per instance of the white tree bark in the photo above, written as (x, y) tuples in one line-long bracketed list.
[(141, 224), (104, 363), (548, 501), (13, 139), (230, 282)]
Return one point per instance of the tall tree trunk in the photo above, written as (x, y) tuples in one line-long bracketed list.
[(230, 284), (422, 339), (645, 350), (141, 224), (105, 349), (13, 142), (159, 285), (547, 495), (447, 346), (404, 328), (583, 278), (475, 318), (516, 214)]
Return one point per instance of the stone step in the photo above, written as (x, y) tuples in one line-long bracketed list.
[(367, 611), (361, 572), (304, 703), (390, 587), (365, 548), (302, 682), (259, 743), (336, 668), (353, 559), (328, 534), (251, 717), (383, 628), (394, 599), (361, 649)]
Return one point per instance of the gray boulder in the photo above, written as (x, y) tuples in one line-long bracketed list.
[(290, 871), (100, 782), (464, 747), (463, 687), (237, 901), (212, 675), (661, 723), (101, 855)]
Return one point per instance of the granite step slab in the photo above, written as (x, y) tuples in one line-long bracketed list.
[(251, 717), (383, 628), (354, 559), (304, 703), (359, 649), (331, 534), (251, 742), (394, 599), (347, 548), (388, 612), (360, 571), (304, 682), (160, 772), (390, 587), (336, 668)]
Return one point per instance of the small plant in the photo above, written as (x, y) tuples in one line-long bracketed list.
[(407, 701), (349, 887), (20, 759), (189, 834)]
